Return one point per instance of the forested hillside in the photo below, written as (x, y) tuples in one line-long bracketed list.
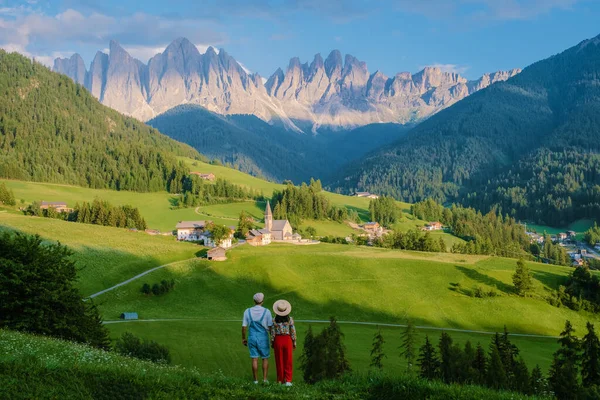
[(529, 145), (53, 130), (258, 148)]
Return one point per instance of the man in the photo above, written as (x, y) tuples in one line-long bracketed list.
[(257, 322)]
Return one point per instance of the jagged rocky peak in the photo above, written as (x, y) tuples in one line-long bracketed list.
[(336, 91), (73, 67), (333, 64)]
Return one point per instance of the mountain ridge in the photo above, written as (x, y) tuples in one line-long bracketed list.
[(333, 92)]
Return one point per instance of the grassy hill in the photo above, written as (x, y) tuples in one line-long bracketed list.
[(199, 320), (157, 210), (360, 284), (37, 367), (105, 256)]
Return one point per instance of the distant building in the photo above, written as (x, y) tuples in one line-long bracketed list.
[(152, 231), (571, 234), (280, 229), (206, 177), (562, 236), (366, 194), (129, 315), (191, 231), (373, 228), (225, 243), (578, 262), (59, 206), (216, 254), (433, 226), (258, 237)]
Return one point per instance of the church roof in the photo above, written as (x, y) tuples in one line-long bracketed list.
[(278, 224)]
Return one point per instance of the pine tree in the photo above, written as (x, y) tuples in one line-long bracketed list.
[(408, 345), (590, 363), (310, 360), (521, 380), (428, 361), (377, 354), (522, 279), (336, 363), (480, 364), (495, 374), (447, 358), (564, 371), (538, 382), (508, 354)]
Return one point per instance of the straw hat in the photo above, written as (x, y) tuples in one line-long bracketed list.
[(282, 308)]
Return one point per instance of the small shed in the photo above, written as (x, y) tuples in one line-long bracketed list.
[(129, 316), (216, 254)]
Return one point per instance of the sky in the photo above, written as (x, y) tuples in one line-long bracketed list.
[(470, 37)]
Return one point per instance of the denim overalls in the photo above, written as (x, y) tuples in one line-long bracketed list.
[(258, 337)]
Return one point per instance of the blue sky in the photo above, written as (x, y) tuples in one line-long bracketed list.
[(466, 36)]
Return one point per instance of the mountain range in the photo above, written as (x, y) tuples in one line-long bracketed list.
[(529, 146), (331, 93)]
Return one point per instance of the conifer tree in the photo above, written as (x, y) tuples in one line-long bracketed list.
[(508, 354), (495, 374), (564, 371), (522, 279), (590, 363), (480, 364), (538, 383), (447, 360), (377, 354), (521, 381), (408, 345), (336, 363), (428, 361), (309, 360)]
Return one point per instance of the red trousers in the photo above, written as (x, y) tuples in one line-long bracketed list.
[(284, 357)]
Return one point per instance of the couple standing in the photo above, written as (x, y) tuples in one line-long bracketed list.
[(281, 334)]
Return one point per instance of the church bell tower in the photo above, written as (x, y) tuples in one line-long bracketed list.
[(268, 217)]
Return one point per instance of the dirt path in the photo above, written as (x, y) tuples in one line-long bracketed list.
[(138, 276), (316, 321)]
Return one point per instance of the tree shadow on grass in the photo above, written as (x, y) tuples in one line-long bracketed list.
[(362, 213), (485, 279), (549, 280)]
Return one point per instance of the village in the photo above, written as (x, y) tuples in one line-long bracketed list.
[(578, 251)]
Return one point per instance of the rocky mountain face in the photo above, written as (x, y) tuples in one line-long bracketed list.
[(335, 93)]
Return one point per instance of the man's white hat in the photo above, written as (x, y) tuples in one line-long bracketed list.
[(259, 298)]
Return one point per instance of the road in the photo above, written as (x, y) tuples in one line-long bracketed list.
[(317, 321)]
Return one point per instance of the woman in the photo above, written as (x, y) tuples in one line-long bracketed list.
[(283, 341)]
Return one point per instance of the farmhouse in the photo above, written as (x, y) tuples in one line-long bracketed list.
[(258, 237), (190, 230), (373, 228), (280, 229), (433, 226), (562, 237), (206, 177), (226, 243), (571, 234), (216, 254), (59, 206), (366, 194)]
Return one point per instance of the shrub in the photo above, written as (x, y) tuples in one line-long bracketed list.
[(158, 288), (130, 345)]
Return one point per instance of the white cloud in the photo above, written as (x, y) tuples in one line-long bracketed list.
[(34, 33), (453, 68)]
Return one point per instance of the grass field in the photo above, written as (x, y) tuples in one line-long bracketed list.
[(105, 256), (34, 367), (210, 346), (354, 284)]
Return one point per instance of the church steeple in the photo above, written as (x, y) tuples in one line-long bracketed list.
[(268, 217)]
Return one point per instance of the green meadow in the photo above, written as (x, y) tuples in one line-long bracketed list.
[(356, 284), (579, 226), (105, 256)]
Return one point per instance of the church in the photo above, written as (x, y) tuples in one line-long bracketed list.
[(280, 228)]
